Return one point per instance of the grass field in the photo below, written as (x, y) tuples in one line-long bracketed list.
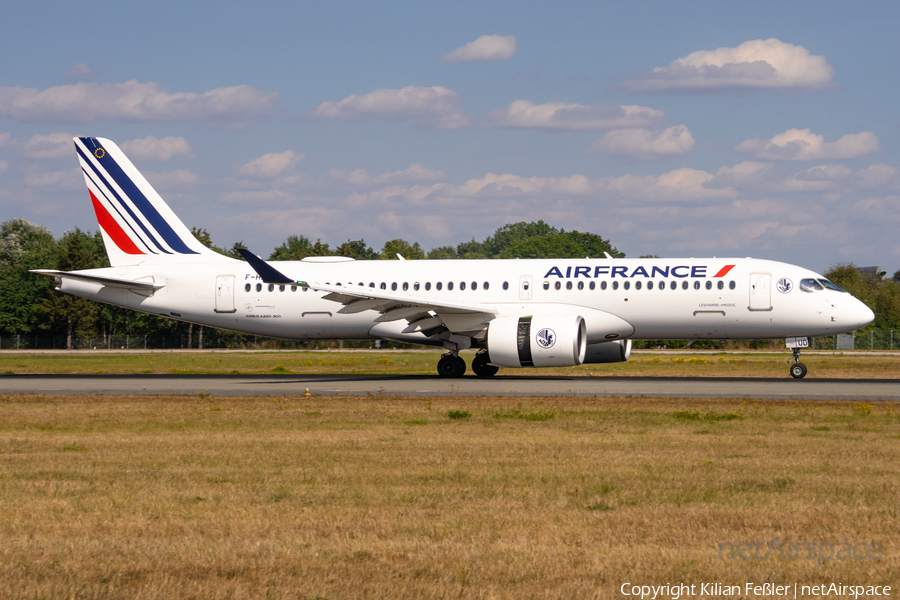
[(206, 497), (417, 363)]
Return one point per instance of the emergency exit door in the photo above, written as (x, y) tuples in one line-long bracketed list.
[(225, 294), (760, 291)]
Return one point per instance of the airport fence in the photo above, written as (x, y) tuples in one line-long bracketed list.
[(214, 339)]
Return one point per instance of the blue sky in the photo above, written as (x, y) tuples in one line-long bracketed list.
[(764, 129)]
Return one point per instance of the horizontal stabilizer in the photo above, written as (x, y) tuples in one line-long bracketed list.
[(116, 282), (268, 273)]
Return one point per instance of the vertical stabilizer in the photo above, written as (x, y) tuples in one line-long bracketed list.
[(138, 227)]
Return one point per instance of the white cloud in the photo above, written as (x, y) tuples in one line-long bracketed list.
[(430, 107), (150, 148), (741, 175), (132, 101), (878, 175), (414, 172), (825, 173), (486, 47), (171, 180), (81, 71), (557, 115), (271, 165), (801, 144), (54, 145), (642, 144), (68, 179), (755, 64)]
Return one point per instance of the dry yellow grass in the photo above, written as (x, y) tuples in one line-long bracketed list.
[(189, 497)]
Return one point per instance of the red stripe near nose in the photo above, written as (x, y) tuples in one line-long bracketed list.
[(724, 271)]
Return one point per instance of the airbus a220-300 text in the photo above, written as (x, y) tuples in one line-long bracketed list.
[(519, 313)]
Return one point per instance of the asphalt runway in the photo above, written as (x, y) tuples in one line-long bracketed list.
[(432, 385)]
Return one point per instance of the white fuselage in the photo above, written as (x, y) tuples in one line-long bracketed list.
[(632, 297)]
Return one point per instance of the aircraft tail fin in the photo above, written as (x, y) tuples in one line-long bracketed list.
[(138, 227)]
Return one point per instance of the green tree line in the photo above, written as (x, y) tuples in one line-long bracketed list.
[(29, 306)]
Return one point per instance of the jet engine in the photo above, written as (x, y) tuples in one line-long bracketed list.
[(608, 352), (539, 341)]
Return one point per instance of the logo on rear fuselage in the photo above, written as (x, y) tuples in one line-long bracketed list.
[(546, 338)]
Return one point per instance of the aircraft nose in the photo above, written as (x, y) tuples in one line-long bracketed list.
[(861, 314)]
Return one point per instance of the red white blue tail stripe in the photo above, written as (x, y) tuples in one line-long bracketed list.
[(130, 213)]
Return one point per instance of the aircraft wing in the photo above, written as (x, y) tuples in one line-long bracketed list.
[(117, 282), (425, 314)]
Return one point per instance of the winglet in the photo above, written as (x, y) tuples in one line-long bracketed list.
[(268, 273)]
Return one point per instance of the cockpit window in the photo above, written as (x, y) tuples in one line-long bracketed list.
[(810, 285), (831, 286)]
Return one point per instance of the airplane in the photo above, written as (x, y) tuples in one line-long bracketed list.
[(516, 313)]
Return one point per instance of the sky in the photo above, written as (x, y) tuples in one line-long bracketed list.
[(764, 129)]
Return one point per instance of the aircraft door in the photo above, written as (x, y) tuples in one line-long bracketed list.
[(760, 291), (710, 324), (225, 294), (525, 282)]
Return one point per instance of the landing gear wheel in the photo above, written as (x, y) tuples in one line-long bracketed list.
[(481, 367), (451, 366), (798, 369)]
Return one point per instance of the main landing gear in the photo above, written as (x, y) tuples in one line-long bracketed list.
[(481, 367), (798, 369), (451, 365)]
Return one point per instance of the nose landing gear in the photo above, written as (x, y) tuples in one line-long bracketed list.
[(798, 369)]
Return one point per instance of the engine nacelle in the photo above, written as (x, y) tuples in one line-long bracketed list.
[(539, 341), (608, 352)]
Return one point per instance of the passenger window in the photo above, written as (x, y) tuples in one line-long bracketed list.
[(474, 285), (280, 288), (557, 285), (258, 287), (709, 285), (247, 287), (427, 286), (684, 285), (371, 284), (580, 285), (271, 287), (627, 285), (730, 285), (394, 287), (450, 286), (293, 288), (405, 286), (592, 285), (637, 285), (568, 285), (462, 285), (696, 285), (485, 286), (615, 285), (546, 285), (505, 285), (439, 285), (416, 286), (674, 285), (602, 285), (721, 285)]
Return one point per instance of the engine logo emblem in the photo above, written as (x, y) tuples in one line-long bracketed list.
[(784, 285), (546, 338)]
